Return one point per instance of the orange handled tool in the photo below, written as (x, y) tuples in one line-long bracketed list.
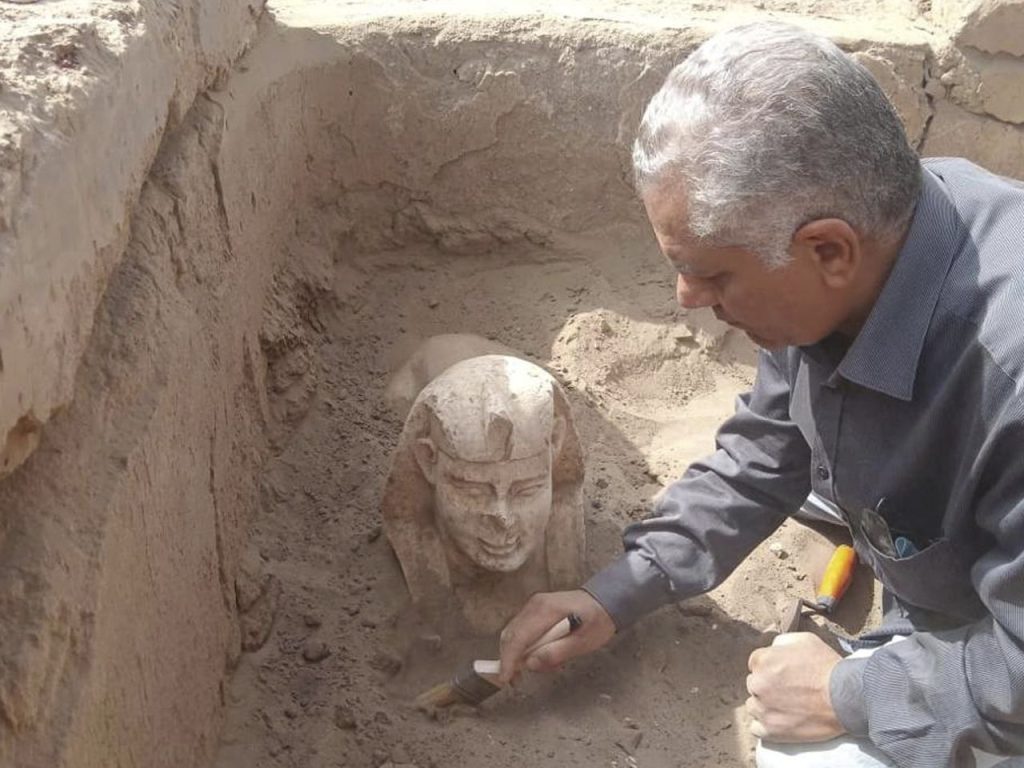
[(837, 578), (838, 575)]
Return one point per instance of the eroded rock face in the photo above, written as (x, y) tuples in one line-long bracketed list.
[(992, 26), (98, 86), (483, 505), (996, 145), (986, 84)]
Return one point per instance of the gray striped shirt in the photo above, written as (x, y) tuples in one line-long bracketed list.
[(915, 430)]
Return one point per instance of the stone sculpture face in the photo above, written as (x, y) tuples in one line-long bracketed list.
[(484, 503), (496, 514)]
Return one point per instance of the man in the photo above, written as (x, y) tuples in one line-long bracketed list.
[(887, 296)]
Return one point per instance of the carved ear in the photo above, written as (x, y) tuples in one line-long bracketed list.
[(426, 456), (558, 428)]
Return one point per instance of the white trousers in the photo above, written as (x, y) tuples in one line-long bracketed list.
[(838, 753)]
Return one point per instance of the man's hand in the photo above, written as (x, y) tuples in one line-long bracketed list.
[(543, 611), (789, 690)]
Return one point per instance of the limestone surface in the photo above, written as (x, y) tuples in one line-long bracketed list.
[(993, 26), (88, 91)]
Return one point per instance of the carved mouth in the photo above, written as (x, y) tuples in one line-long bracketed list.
[(500, 549)]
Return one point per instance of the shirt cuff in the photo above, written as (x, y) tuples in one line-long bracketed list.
[(630, 588), (846, 689)]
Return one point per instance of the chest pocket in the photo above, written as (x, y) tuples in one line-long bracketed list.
[(936, 578)]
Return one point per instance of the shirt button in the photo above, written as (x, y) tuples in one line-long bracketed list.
[(822, 471)]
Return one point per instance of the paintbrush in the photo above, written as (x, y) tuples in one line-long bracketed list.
[(475, 682)]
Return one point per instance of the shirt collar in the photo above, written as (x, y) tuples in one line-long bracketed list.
[(885, 354)]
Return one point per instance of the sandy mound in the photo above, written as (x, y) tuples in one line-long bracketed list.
[(646, 369)]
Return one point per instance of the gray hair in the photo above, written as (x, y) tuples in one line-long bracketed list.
[(767, 127)]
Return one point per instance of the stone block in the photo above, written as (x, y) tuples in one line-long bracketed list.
[(995, 145), (993, 26), (986, 84)]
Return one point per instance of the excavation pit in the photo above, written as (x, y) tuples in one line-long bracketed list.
[(193, 370)]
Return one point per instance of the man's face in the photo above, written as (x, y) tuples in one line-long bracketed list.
[(785, 306), (494, 513)]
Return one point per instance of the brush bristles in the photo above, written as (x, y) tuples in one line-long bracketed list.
[(467, 687), (438, 697)]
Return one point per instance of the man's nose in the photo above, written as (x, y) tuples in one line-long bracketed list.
[(694, 293)]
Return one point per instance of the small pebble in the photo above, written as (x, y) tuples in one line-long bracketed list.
[(778, 550), (314, 651), (431, 642), (399, 754), (387, 663), (344, 718)]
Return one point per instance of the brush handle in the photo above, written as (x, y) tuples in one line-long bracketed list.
[(557, 632), (491, 667)]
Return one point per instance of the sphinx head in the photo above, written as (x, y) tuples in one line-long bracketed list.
[(486, 443)]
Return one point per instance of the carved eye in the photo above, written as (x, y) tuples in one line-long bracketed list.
[(467, 488), (529, 490)]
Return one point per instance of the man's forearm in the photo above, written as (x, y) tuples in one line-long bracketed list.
[(703, 525)]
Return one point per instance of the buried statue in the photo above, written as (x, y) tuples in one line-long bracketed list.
[(483, 505)]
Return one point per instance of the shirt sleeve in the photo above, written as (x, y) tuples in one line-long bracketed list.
[(704, 524), (925, 701)]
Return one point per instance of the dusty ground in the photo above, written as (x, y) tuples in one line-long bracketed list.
[(342, 659)]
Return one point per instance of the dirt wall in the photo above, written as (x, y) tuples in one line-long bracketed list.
[(165, 210)]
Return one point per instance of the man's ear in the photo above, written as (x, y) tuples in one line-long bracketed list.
[(834, 247), (426, 456)]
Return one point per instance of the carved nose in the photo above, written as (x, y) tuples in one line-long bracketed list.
[(499, 515)]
